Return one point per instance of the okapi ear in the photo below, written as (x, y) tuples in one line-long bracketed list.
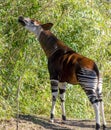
[(47, 26)]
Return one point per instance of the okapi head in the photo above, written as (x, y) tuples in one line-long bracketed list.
[(34, 26)]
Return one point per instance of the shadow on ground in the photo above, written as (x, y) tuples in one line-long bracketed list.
[(43, 122), (58, 125)]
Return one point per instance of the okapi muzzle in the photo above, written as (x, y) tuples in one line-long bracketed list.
[(67, 66)]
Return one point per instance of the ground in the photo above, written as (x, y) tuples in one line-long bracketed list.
[(27, 122)]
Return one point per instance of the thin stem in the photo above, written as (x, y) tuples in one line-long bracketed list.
[(17, 99)]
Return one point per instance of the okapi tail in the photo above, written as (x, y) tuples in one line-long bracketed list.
[(97, 73)]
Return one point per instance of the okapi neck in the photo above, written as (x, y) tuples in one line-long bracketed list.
[(38, 32), (48, 42)]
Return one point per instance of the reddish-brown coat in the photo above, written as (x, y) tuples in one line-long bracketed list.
[(63, 63)]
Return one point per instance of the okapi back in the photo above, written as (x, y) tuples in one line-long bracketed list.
[(51, 44), (63, 62)]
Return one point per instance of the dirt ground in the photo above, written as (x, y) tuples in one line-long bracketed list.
[(27, 122)]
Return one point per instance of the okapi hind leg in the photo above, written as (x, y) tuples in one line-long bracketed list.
[(102, 113), (62, 89), (88, 80), (97, 115), (54, 89), (95, 103), (99, 93)]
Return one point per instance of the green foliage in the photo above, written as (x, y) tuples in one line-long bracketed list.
[(83, 25)]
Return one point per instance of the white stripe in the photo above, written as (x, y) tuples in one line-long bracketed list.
[(54, 80)]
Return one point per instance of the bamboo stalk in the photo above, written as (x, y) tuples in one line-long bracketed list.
[(18, 104)]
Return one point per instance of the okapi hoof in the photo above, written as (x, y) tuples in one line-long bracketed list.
[(52, 118), (63, 118), (104, 127), (97, 126)]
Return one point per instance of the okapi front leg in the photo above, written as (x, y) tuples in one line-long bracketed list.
[(62, 89), (54, 89)]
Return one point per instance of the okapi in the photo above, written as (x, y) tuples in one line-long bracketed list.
[(67, 66)]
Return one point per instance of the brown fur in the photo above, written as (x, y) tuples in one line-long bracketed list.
[(63, 62)]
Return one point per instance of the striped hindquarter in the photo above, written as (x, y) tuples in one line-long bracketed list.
[(91, 84)]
